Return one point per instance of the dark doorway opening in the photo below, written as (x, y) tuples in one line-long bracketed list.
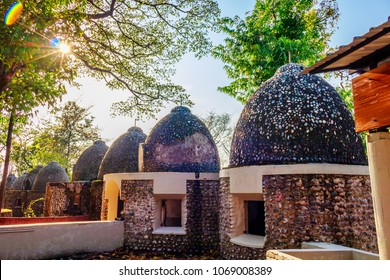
[(120, 208)]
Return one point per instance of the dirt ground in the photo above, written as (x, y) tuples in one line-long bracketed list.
[(126, 254)]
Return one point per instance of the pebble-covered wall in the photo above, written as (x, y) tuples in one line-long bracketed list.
[(320, 208), (74, 198), (201, 226), (295, 118), (18, 201), (203, 215)]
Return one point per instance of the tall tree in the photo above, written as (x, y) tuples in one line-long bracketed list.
[(221, 130), (274, 33), (130, 44), (71, 133)]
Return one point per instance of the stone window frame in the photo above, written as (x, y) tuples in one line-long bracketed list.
[(238, 221), (157, 228)]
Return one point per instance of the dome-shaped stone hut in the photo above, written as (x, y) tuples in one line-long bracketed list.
[(295, 118), (122, 156), (87, 165), (20, 193), (297, 168), (167, 205), (10, 180), (52, 172), (29, 180), (180, 142), (18, 184)]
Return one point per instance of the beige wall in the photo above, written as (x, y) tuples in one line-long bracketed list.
[(46, 241)]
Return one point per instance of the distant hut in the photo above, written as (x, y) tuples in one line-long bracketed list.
[(19, 182), (29, 181), (10, 180), (87, 165), (122, 156), (52, 172)]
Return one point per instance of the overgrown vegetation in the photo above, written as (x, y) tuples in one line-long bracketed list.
[(28, 212)]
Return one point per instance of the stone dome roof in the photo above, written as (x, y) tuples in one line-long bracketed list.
[(180, 142), (29, 180), (10, 180), (26, 180), (87, 165), (295, 118), (52, 172), (19, 182), (122, 156)]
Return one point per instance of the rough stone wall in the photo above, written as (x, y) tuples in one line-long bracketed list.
[(55, 200), (201, 225), (18, 201), (74, 198), (138, 212), (14, 199), (321, 208), (229, 250), (104, 205), (203, 215)]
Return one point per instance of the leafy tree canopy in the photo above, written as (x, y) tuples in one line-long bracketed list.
[(62, 139), (274, 33), (130, 44)]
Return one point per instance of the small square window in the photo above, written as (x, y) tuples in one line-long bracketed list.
[(171, 213)]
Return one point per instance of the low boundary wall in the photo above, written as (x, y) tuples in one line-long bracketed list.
[(46, 241)]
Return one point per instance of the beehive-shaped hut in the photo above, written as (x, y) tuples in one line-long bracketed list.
[(10, 180), (52, 172), (18, 183), (167, 205), (180, 142), (295, 118), (87, 165), (122, 156), (29, 181), (18, 192), (297, 168)]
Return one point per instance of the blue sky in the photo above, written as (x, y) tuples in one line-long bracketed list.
[(202, 77)]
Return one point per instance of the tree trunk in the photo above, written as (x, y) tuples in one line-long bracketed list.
[(6, 160)]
